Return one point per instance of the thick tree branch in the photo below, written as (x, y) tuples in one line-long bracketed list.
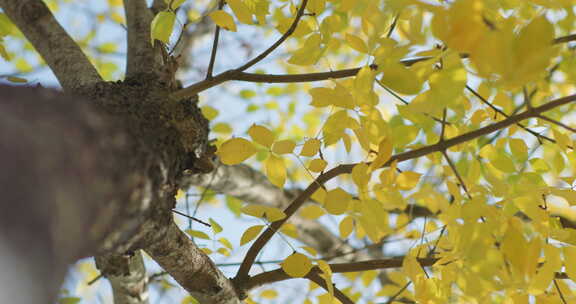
[(278, 275), (61, 53), (141, 55), (412, 154), (338, 294), (131, 286), (191, 267)]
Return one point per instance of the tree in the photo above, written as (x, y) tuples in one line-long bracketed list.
[(475, 163)]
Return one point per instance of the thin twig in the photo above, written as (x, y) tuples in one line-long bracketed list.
[(289, 32), (400, 291), (214, 46), (564, 39), (393, 25), (486, 102), (191, 217), (560, 292), (558, 123), (460, 180)]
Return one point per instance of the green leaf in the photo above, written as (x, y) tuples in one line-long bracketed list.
[(162, 25), (197, 234)]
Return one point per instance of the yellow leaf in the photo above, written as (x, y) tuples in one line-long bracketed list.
[(223, 20), (356, 43), (309, 53), (275, 170), (310, 250), (259, 211), (223, 251), (407, 180), (361, 175), (316, 7), (250, 234), (346, 226), (311, 147), (180, 194), (235, 151), (312, 212), (197, 234), (289, 230), (241, 11), (532, 59), (412, 268), (401, 79), (268, 293), (209, 112), (15, 79), (384, 154), (162, 25), (570, 261), (327, 276), (297, 265), (337, 201), (283, 146), (317, 165), (261, 135)]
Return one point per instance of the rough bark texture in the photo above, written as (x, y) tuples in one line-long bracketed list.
[(129, 287), (104, 171)]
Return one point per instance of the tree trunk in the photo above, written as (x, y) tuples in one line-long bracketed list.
[(93, 175)]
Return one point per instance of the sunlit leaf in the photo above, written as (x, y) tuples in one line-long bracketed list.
[(310, 148), (297, 265), (250, 234), (197, 234), (241, 11), (261, 135), (283, 146), (216, 228), (162, 25), (276, 170), (223, 20), (235, 151)]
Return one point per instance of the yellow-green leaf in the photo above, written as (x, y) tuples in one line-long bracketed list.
[(407, 180), (209, 112), (235, 151), (297, 265), (223, 20), (162, 25), (215, 226), (226, 243), (401, 79), (356, 43), (250, 234), (197, 234)]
